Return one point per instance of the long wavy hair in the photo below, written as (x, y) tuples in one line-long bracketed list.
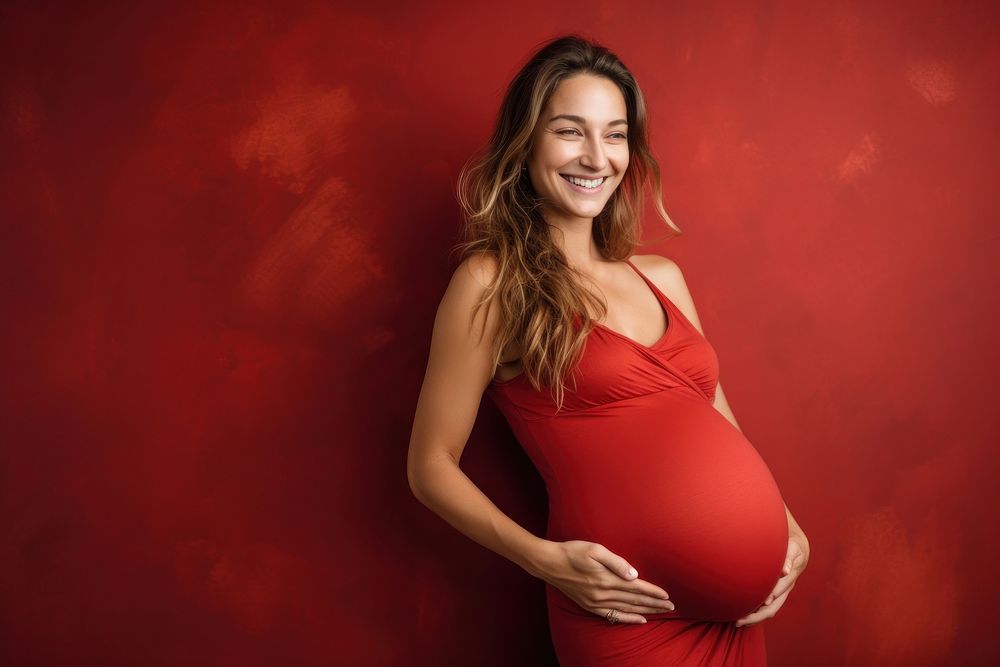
[(537, 292)]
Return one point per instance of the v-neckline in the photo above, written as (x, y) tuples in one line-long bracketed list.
[(660, 299)]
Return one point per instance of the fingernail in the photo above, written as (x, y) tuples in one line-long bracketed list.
[(632, 572)]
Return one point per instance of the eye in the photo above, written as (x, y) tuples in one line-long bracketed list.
[(619, 135), (565, 131)]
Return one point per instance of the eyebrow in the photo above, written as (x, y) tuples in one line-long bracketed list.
[(582, 121)]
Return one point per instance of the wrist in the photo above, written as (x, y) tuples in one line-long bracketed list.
[(538, 557), (803, 542)]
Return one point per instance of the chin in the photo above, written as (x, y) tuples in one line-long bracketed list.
[(590, 212)]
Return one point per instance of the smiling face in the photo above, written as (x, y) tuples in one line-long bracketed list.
[(580, 147)]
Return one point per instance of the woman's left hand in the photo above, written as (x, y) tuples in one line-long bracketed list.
[(795, 562)]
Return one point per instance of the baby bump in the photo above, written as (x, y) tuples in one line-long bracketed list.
[(677, 490)]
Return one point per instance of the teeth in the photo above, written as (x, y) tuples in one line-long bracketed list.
[(583, 182)]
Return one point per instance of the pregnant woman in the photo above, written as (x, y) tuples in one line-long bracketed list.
[(668, 541)]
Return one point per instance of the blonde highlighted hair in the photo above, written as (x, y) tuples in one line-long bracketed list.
[(537, 293)]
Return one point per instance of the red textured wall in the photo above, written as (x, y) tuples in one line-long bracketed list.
[(225, 230)]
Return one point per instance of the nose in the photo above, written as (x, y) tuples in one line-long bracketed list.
[(594, 156)]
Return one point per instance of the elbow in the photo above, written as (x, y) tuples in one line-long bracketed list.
[(425, 474), (419, 493), (426, 469), (417, 477), (413, 478)]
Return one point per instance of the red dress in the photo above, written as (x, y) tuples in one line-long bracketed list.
[(640, 461)]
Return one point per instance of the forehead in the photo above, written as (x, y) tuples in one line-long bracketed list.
[(596, 98)]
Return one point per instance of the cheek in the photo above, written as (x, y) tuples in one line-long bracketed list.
[(624, 159), (558, 153), (622, 170)]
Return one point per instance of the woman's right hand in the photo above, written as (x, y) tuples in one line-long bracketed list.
[(599, 580)]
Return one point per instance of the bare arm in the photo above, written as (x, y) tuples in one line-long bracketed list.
[(459, 368), (667, 274)]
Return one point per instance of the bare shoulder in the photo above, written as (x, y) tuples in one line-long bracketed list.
[(475, 274), (663, 271), (481, 268), (465, 289), (666, 274)]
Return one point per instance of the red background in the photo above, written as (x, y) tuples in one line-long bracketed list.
[(225, 233)]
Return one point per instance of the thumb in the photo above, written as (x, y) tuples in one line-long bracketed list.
[(625, 570), (617, 564)]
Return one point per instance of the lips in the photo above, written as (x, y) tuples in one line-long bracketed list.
[(585, 178), (585, 190)]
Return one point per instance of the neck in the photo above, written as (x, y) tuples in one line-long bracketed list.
[(575, 237)]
